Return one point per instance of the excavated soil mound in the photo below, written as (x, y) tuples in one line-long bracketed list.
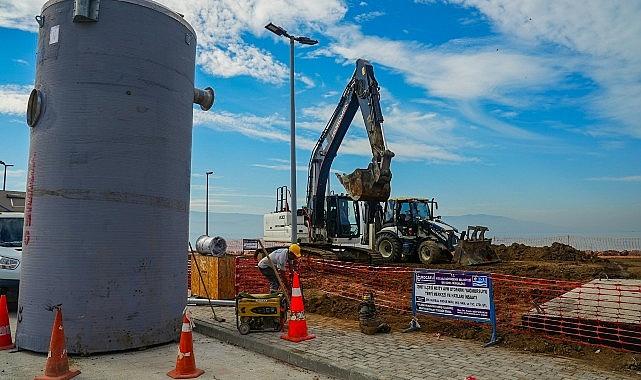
[(556, 252)]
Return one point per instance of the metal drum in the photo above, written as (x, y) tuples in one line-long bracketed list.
[(208, 245), (106, 217)]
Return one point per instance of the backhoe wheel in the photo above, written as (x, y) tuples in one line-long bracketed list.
[(429, 252), (244, 328), (390, 247)]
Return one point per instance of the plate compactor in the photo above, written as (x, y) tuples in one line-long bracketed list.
[(260, 312)]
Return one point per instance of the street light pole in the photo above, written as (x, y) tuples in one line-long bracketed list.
[(279, 31), (4, 181), (292, 144), (207, 204)]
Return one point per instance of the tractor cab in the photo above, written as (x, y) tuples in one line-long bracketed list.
[(412, 229), (409, 214)]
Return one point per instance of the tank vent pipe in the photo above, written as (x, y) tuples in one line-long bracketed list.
[(204, 98), (85, 10)]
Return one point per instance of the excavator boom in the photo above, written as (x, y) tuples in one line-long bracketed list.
[(370, 184), (373, 183)]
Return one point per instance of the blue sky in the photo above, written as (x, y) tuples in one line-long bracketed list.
[(530, 110)]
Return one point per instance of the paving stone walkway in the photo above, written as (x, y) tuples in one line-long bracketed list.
[(348, 353)]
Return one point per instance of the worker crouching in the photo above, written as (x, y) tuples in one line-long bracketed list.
[(276, 261), (368, 319)]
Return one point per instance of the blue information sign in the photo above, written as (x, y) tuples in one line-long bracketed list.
[(455, 294)]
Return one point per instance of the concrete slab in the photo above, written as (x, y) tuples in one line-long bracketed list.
[(615, 300), (606, 311)]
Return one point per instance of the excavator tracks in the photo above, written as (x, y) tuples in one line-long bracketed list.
[(344, 253), (337, 253)]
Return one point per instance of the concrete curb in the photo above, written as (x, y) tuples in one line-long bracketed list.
[(294, 357)]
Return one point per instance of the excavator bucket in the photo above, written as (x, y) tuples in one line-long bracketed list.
[(365, 185), (474, 248)]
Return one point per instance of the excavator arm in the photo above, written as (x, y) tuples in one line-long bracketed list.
[(371, 184)]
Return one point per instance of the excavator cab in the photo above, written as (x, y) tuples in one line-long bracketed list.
[(343, 216)]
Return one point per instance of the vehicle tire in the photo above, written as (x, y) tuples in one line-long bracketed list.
[(243, 328), (429, 252), (389, 246)]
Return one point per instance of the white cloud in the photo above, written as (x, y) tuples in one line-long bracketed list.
[(464, 72), (16, 178), (20, 61), (460, 70), (280, 167), (270, 127), (222, 28), (603, 36), (410, 134), (330, 94), (20, 14), (475, 114), (223, 25), (13, 99), (368, 16), (630, 178)]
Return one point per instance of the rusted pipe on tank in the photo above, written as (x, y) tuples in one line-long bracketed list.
[(205, 302), (204, 98)]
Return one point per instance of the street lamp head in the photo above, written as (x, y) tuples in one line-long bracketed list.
[(2, 162), (277, 30), (208, 173), (306, 41)]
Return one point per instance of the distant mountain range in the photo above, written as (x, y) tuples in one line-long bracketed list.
[(238, 226), (228, 225), (503, 226)]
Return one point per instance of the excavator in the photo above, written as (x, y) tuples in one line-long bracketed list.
[(329, 226), (354, 226)]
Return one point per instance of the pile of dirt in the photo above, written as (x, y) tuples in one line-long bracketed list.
[(624, 253), (321, 303), (556, 252)]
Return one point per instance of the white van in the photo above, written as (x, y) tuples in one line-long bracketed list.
[(11, 224)]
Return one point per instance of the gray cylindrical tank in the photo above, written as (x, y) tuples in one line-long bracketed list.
[(106, 222)]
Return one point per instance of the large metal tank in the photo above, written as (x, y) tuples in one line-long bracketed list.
[(106, 220)]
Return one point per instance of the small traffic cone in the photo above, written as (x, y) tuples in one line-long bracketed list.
[(297, 330), (186, 361), (5, 327), (57, 367)]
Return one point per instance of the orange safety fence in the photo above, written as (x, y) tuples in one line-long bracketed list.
[(602, 312)]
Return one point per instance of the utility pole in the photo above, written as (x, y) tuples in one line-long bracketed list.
[(4, 182), (277, 30), (207, 174)]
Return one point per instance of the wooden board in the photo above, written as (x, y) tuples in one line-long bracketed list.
[(218, 274)]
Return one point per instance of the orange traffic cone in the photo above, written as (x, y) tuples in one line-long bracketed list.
[(57, 366), (5, 328), (186, 361), (297, 331)]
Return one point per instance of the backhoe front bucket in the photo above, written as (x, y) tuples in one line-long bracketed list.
[(362, 184), (474, 248)]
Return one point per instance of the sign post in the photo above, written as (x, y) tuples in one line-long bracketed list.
[(250, 244), (455, 294)]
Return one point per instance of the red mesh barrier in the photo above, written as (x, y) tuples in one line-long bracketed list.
[(250, 280), (600, 312)]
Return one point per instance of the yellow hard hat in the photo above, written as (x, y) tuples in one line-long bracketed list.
[(295, 249)]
